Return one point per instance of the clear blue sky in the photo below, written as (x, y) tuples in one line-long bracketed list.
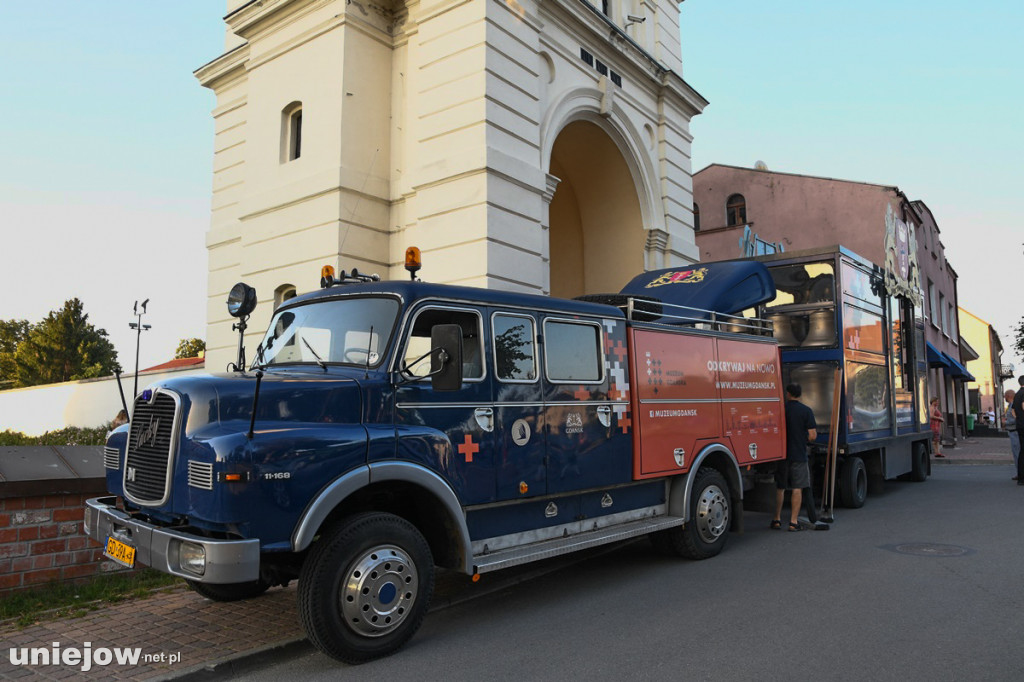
[(107, 137), (923, 95)]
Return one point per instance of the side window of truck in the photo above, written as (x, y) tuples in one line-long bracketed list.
[(573, 352), (515, 355), (418, 342)]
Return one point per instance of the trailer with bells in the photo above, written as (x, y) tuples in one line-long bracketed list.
[(385, 427), (854, 341)]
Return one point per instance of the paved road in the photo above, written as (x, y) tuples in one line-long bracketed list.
[(878, 597)]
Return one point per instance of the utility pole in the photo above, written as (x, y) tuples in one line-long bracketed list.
[(139, 328)]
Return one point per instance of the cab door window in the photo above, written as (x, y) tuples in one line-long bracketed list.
[(418, 343), (515, 356), (573, 352)]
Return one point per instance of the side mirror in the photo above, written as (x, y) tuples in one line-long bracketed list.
[(446, 357)]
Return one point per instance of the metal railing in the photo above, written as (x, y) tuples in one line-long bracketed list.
[(658, 312)]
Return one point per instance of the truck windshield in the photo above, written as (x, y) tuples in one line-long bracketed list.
[(352, 331)]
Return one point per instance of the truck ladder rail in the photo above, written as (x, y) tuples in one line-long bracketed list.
[(547, 549)]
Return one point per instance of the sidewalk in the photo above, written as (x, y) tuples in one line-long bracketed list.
[(977, 451), (181, 635)]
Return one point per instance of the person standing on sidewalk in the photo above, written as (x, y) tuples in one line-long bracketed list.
[(792, 474), (1010, 422), (937, 420), (1018, 415)]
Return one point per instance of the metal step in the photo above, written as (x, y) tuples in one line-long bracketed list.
[(506, 558)]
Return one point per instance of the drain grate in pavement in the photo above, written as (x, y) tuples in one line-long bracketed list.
[(929, 549)]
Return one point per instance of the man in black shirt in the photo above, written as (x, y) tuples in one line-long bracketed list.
[(793, 474), (1018, 414)]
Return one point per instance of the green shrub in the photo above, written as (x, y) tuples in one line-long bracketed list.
[(71, 435)]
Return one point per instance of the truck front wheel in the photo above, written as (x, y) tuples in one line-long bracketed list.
[(707, 531), (365, 587)]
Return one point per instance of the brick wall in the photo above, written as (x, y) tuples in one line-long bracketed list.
[(41, 540)]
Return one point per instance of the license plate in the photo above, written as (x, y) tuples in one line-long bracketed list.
[(120, 552)]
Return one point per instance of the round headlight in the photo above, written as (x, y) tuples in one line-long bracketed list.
[(241, 300)]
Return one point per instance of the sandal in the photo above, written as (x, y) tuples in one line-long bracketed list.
[(794, 527), (776, 524), (939, 454)]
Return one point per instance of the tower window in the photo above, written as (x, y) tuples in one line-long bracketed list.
[(291, 132), (696, 217), (736, 210)]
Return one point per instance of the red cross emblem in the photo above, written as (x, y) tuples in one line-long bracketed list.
[(469, 448), (582, 394)]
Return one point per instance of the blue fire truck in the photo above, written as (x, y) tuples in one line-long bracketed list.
[(385, 427)]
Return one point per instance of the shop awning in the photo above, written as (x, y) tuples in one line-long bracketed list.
[(958, 371), (936, 358)]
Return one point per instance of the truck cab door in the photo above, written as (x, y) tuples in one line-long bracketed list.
[(586, 393), (518, 433), (450, 432)]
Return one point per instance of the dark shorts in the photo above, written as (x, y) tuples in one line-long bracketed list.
[(792, 475)]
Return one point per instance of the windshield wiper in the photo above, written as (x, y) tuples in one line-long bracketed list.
[(319, 360), (259, 356)]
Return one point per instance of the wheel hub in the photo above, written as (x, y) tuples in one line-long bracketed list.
[(380, 589), (712, 514)]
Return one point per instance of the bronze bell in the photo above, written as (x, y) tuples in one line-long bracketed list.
[(822, 329), (782, 328)]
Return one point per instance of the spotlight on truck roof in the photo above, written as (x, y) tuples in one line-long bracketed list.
[(241, 300)]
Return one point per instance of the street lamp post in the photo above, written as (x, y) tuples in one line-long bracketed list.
[(139, 328)]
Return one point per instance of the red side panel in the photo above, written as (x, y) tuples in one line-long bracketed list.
[(696, 387), (753, 413)]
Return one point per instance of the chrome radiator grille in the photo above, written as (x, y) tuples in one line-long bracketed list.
[(150, 449), (200, 474), (111, 458)]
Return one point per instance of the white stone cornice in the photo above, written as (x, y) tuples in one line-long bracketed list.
[(253, 18), (223, 69)]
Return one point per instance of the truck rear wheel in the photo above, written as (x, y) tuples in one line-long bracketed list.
[(853, 483), (365, 587), (919, 463), (707, 531), (231, 591)]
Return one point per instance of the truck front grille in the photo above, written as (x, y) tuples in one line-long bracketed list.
[(151, 446)]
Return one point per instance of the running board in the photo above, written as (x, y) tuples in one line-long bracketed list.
[(515, 556)]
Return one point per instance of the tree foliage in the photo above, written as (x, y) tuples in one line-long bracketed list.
[(189, 348), (64, 346), (1018, 342), (12, 332)]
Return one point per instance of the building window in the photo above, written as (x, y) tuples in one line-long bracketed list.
[(933, 305), (696, 217), (736, 210), (606, 8), (283, 293), (291, 132), (952, 322), (945, 314)]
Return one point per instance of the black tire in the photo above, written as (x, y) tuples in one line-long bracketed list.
[(919, 463), (707, 531), (365, 587), (230, 591), (853, 483)]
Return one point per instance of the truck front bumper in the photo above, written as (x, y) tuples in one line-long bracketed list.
[(223, 561)]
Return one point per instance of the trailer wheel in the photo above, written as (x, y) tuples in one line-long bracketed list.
[(365, 587), (231, 591), (918, 463), (853, 483), (707, 531)]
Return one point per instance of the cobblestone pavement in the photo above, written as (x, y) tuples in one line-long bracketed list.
[(181, 634)]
